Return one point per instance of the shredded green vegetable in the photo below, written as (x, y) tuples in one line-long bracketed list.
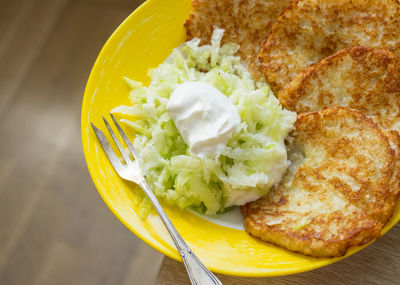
[(251, 158)]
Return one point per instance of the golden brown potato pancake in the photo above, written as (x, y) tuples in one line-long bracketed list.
[(362, 78), (311, 30), (336, 192)]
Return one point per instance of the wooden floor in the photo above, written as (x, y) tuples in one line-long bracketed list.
[(54, 227)]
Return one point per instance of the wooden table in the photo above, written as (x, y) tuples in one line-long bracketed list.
[(379, 263)]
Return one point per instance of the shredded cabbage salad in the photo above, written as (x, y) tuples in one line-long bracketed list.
[(250, 156)]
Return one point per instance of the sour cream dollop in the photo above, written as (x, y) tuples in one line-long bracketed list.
[(204, 116)]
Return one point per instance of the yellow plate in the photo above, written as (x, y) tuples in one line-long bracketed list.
[(142, 41)]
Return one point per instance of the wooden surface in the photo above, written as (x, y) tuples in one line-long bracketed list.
[(54, 227), (379, 263)]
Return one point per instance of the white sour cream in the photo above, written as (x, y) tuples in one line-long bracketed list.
[(204, 117)]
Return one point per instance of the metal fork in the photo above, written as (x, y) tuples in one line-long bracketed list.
[(130, 170)]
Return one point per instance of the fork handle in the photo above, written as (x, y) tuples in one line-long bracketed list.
[(198, 273)]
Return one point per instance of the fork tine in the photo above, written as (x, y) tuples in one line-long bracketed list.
[(125, 155), (116, 163), (125, 138)]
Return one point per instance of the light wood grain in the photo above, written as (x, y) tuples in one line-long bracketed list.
[(55, 229), (379, 263)]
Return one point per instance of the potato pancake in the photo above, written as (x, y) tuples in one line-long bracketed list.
[(336, 192), (311, 30)]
